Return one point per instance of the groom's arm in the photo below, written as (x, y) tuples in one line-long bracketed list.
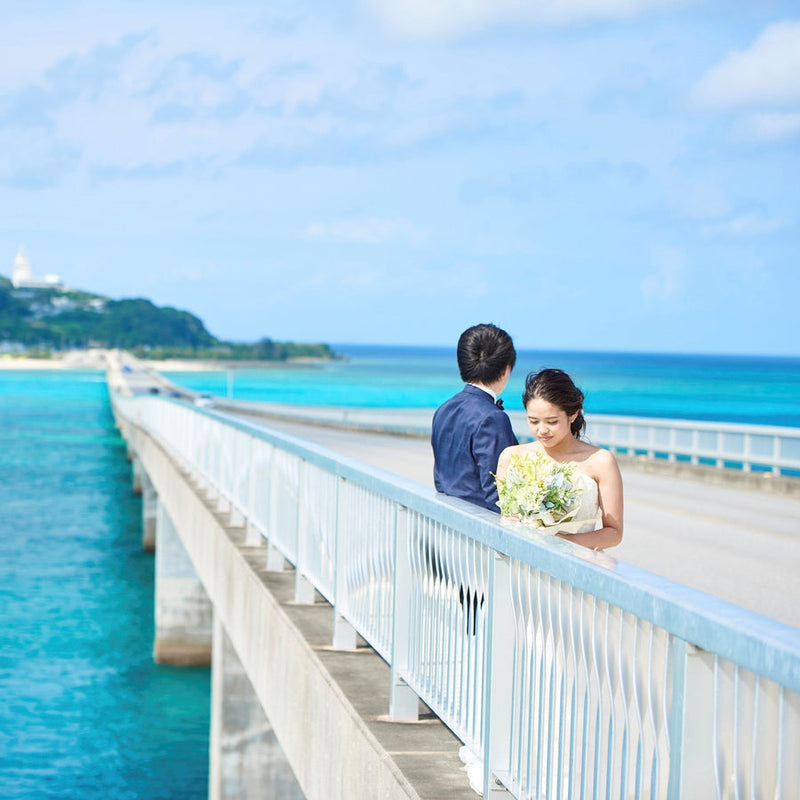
[(491, 438)]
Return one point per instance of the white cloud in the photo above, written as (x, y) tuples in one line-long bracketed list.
[(444, 18), (702, 200), (765, 74), (363, 231), (666, 281), (773, 125), (148, 90), (745, 226)]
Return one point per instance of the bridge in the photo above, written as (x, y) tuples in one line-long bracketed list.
[(363, 629)]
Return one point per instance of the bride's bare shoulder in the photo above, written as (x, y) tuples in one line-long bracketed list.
[(600, 455), (600, 461)]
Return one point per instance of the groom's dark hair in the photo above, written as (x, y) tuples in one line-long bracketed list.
[(483, 353)]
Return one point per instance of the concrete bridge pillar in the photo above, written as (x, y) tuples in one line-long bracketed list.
[(183, 610), (149, 513), (246, 760), (138, 471)]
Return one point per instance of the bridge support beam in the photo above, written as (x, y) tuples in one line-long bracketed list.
[(149, 513), (245, 758), (183, 610)]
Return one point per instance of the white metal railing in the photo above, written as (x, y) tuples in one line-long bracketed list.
[(722, 444), (568, 673)]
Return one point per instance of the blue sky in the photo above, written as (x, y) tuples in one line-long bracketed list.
[(588, 174)]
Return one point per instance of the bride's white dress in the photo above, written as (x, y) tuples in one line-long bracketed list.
[(588, 513)]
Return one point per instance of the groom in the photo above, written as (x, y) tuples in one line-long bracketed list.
[(470, 430)]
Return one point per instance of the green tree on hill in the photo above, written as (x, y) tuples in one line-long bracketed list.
[(53, 319)]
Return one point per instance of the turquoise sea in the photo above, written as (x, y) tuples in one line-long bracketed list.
[(85, 713), (751, 389)]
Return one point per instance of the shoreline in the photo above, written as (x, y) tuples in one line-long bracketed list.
[(96, 359), (188, 365), (72, 360)]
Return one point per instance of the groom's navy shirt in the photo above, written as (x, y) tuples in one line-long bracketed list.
[(469, 433)]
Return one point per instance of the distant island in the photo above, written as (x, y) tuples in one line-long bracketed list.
[(41, 317)]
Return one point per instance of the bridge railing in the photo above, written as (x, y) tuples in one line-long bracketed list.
[(567, 673), (745, 447), (721, 444)]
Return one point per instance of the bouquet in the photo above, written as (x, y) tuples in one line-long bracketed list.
[(538, 491)]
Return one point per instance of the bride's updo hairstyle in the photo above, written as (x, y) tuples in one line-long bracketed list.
[(557, 388)]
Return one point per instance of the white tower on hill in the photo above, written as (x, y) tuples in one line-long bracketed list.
[(22, 275), (22, 269)]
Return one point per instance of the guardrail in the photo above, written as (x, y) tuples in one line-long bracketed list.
[(721, 444), (567, 673), (745, 447)]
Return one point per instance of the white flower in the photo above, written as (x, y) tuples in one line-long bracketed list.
[(538, 490)]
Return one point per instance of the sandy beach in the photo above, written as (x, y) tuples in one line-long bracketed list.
[(183, 365), (73, 359), (96, 359), (190, 365)]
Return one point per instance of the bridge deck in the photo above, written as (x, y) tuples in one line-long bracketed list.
[(715, 536), (727, 539)]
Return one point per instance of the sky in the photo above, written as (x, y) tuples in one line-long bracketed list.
[(615, 175)]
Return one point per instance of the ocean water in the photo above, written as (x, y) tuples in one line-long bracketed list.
[(84, 711), (749, 389)]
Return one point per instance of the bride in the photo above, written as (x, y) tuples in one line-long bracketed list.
[(555, 416)]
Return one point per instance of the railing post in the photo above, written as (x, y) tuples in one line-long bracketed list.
[(404, 703), (209, 479), (498, 686), (253, 536), (211, 454), (747, 455), (224, 505), (776, 454), (344, 634), (203, 449), (303, 588), (695, 446), (720, 462), (238, 464), (275, 559), (691, 724), (304, 593)]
